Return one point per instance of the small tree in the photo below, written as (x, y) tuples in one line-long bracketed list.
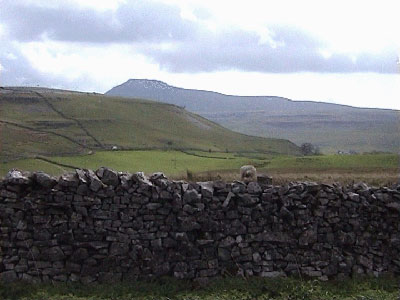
[(317, 151), (309, 149)]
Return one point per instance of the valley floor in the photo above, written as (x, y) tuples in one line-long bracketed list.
[(374, 169)]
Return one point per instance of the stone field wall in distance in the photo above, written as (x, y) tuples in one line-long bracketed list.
[(106, 226)]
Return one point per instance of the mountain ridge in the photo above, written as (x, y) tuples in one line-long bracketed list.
[(171, 87), (332, 127)]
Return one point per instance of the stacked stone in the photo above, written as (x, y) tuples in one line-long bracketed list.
[(107, 226)]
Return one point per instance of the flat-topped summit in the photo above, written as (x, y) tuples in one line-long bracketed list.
[(332, 127), (147, 83)]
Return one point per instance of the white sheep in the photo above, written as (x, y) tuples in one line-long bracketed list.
[(248, 173)]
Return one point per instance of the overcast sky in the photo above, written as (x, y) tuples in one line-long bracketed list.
[(335, 51)]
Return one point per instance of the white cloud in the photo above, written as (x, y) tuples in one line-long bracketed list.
[(258, 44), (3, 32), (347, 26), (11, 56), (99, 4), (98, 68)]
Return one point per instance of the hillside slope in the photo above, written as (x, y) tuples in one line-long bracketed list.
[(332, 127), (49, 122)]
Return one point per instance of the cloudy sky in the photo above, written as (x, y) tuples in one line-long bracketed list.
[(335, 51)]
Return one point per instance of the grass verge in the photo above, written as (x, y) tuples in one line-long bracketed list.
[(228, 288)]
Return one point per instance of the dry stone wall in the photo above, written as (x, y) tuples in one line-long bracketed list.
[(106, 226)]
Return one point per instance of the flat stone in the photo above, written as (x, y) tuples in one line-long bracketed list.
[(365, 262), (126, 181), (110, 177), (98, 245), (227, 242), (191, 196), (264, 179), (273, 274), (248, 200), (207, 189), (119, 249), (219, 185), (80, 254), (256, 257), (308, 237), (228, 199), (254, 188), (81, 175), (169, 243), (153, 206), (68, 180), (8, 276), (181, 267), (87, 279), (277, 237), (96, 184), (53, 254), (45, 180), (140, 178), (60, 278), (110, 277), (238, 187), (394, 205), (224, 254), (353, 197), (312, 273), (157, 176), (204, 242), (17, 177), (189, 209)]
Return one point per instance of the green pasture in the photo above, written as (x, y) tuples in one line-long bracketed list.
[(172, 163), (177, 163), (337, 162)]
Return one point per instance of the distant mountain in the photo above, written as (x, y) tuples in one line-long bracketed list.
[(332, 127)]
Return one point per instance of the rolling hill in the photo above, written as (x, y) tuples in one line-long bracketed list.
[(47, 122), (332, 127)]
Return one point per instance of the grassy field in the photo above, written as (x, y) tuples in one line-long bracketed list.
[(228, 288), (356, 129), (55, 123), (376, 169), (326, 162), (172, 163)]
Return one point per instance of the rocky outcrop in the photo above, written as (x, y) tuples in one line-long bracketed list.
[(108, 226)]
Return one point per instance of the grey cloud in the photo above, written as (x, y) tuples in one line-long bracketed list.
[(295, 51), (133, 22), (202, 13), (16, 70), (146, 24)]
